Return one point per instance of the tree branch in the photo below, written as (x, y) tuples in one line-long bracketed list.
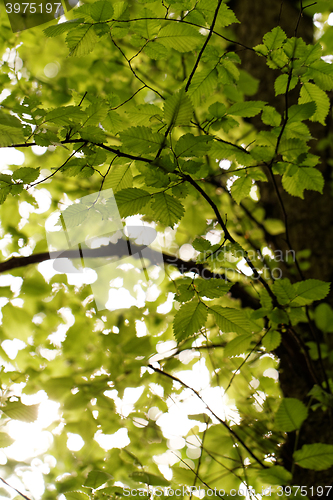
[(120, 249), (204, 46), (232, 432), (100, 145), (231, 239)]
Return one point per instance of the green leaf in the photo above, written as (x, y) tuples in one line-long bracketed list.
[(292, 148), (155, 50), (64, 115), (277, 59), (239, 345), (144, 114), (202, 85), (190, 145), (225, 15), (271, 340), (96, 157), (295, 48), (324, 318), (16, 322), (181, 37), (101, 29), (147, 478), (82, 40), (11, 130), (74, 215), (258, 175), (101, 11), (304, 178), (96, 113), (275, 475), (148, 27), (141, 139), (5, 181), (270, 116), (114, 492), (316, 456), (283, 290), (76, 495), (131, 201), (246, 109), (167, 209), (310, 92), (290, 415), (201, 244), (311, 178), (217, 109), (275, 38), (212, 288), (35, 287), (114, 122), (61, 28), (120, 177), (231, 320), (278, 316), (26, 174), (241, 188), (18, 411), (74, 167), (178, 109), (180, 190), (4, 493), (228, 74), (322, 74), (300, 112), (190, 318), (280, 85), (84, 11), (222, 150), (5, 440), (96, 478), (309, 290), (93, 134), (185, 292)]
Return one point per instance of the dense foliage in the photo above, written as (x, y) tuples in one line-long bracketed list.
[(155, 100)]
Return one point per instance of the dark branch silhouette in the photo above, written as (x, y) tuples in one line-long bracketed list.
[(120, 249)]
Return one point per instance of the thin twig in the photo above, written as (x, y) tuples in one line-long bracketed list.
[(231, 431), (12, 487), (204, 46)]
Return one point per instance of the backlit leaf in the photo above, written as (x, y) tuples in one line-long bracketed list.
[(317, 456), (231, 320), (81, 40), (131, 201), (189, 319), (178, 109), (167, 209), (18, 411), (241, 188), (182, 38), (310, 92), (290, 415)]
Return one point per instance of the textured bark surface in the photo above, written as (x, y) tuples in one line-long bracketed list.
[(310, 221)]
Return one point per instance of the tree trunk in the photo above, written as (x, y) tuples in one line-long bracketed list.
[(309, 220)]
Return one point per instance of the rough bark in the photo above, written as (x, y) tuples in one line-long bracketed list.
[(309, 220)]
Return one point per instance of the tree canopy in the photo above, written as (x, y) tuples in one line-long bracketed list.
[(195, 135)]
